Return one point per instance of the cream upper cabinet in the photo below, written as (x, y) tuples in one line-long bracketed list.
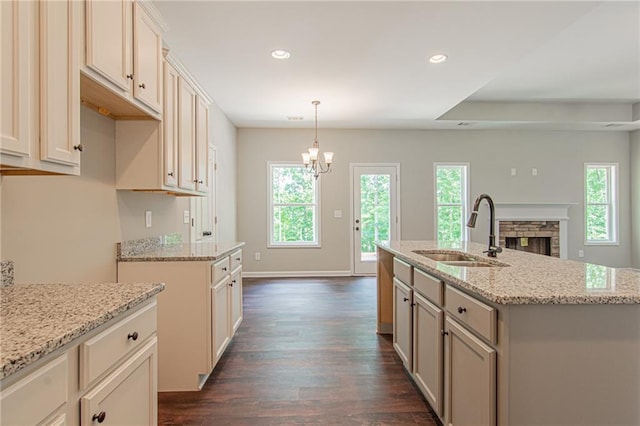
[(202, 145), (186, 135), (170, 125), (123, 59), (470, 378), (18, 38), (40, 87), (60, 82), (109, 40), (147, 59)]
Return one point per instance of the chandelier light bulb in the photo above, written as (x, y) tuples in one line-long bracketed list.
[(328, 157), (313, 153), (305, 158)]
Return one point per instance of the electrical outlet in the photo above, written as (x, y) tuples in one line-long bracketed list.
[(185, 216), (337, 214), (534, 172), (580, 253), (514, 172), (256, 255), (147, 219)]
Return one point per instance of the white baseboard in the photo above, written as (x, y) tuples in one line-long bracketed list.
[(295, 274)]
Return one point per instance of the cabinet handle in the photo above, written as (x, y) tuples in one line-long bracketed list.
[(232, 283), (78, 147), (130, 76), (133, 336), (170, 173), (444, 333), (461, 310), (99, 417), (206, 233), (142, 86), (405, 299), (238, 259), (224, 268)]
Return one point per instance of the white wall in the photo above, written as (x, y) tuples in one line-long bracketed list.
[(558, 156), (635, 199), (64, 228)]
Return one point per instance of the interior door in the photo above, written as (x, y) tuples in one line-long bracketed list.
[(375, 212)]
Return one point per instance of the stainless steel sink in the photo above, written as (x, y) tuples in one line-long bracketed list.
[(446, 257)]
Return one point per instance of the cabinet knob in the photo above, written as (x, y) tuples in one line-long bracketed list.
[(78, 147), (238, 259), (170, 173), (130, 76), (461, 310), (413, 304), (224, 268), (200, 181), (444, 333), (405, 299), (232, 283), (99, 417), (142, 86), (133, 336)]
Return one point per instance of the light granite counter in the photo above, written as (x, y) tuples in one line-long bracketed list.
[(37, 319), (143, 251), (6, 272), (528, 278)]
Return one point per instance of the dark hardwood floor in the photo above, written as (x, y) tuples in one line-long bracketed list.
[(306, 353)]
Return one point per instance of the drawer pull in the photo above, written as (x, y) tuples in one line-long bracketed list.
[(133, 336), (461, 310), (444, 333), (405, 299), (99, 417)]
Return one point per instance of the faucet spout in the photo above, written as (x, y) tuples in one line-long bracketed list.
[(493, 249)]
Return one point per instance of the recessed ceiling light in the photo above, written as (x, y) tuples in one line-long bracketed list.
[(280, 54), (295, 118), (436, 59)]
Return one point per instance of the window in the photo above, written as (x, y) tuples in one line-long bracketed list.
[(294, 207), (451, 201), (600, 212)]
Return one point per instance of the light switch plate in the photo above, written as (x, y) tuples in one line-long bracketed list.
[(514, 172), (534, 172), (185, 216), (337, 214), (147, 218)]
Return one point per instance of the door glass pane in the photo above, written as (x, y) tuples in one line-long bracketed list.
[(375, 213)]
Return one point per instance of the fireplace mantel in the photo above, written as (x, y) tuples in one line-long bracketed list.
[(537, 211)]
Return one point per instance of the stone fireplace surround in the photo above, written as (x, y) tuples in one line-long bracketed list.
[(534, 219)]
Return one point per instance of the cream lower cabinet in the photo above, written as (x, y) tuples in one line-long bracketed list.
[(109, 375), (428, 368), (402, 322), (470, 378), (194, 317), (235, 302)]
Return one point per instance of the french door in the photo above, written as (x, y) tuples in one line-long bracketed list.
[(375, 212)]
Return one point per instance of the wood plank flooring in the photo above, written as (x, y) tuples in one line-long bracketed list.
[(306, 353)]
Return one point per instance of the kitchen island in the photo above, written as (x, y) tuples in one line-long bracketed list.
[(526, 340), (69, 351)]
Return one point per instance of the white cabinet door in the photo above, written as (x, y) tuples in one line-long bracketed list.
[(202, 146), (170, 123), (60, 81), (186, 135), (19, 53), (236, 300), (428, 346), (402, 319), (108, 41), (128, 396), (470, 378), (220, 307), (147, 60)]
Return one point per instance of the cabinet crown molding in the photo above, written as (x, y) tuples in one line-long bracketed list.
[(151, 9)]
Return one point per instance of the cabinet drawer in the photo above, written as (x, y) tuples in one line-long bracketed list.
[(428, 286), (236, 259), (37, 396), (99, 353), (480, 317), (219, 270), (402, 271)]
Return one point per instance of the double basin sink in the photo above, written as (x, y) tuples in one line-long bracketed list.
[(458, 259)]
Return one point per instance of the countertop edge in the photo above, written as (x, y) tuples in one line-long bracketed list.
[(12, 366), (180, 258)]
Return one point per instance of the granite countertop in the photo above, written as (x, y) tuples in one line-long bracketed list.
[(6, 272), (37, 319), (529, 278), (177, 252)]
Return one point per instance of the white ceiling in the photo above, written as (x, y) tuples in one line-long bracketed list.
[(367, 62)]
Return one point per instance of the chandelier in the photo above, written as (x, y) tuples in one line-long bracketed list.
[(311, 159)]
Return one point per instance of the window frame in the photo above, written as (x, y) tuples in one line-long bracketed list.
[(612, 204), (317, 212), (465, 196)]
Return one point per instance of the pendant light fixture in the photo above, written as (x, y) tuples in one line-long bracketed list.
[(311, 159)]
